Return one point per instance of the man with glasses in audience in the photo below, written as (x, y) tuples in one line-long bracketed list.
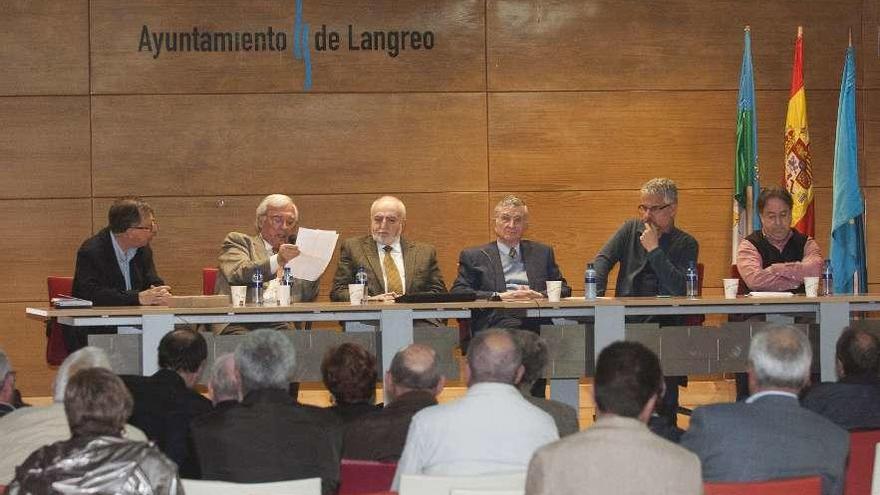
[(115, 267), (267, 251), (654, 256)]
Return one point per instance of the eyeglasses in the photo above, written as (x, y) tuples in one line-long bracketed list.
[(151, 228), (283, 220), (653, 208)]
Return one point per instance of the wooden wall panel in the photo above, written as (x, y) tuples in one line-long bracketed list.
[(208, 145), (868, 112), (617, 140), (454, 63), (24, 341), (44, 147), (45, 47), (661, 44), (868, 58), (41, 239), (191, 230)]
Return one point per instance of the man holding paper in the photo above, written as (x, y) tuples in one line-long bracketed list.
[(267, 251), (394, 265)]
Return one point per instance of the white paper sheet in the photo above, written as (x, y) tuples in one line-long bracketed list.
[(315, 250)]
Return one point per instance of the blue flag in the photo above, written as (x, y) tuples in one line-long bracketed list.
[(847, 254)]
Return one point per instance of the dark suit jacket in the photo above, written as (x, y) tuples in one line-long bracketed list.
[(852, 402), (480, 272), (164, 408), (380, 435), (267, 437), (773, 437), (420, 268), (99, 279)]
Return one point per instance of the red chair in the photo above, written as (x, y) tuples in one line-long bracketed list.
[(56, 349), (362, 477), (734, 273), (209, 278), (793, 486), (860, 467)]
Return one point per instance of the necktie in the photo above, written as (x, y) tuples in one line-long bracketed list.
[(392, 275), (513, 253)]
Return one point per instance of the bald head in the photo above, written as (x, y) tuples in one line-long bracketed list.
[(493, 356), (413, 368), (858, 353), (387, 219)]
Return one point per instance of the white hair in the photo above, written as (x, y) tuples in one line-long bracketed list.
[(85, 358), (781, 357), (401, 208), (265, 359), (224, 385), (661, 186), (274, 201)]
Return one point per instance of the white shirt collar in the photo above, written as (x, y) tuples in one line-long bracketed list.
[(766, 393), (504, 249), (395, 246)]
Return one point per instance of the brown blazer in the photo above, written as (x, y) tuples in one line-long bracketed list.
[(420, 268), (616, 455)]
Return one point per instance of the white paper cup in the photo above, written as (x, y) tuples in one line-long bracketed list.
[(238, 294), (811, 285), (356, 294), (283, 295), (554, 290), (731, 287)]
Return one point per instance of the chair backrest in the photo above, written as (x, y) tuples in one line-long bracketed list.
[(357, 477), (477, 491), (56, 349), (209, 278), (417, 484), (793, 486), (861, 464), (734, 273), (875, 485), (310, 486)]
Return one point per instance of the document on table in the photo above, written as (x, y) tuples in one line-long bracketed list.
[(315, 250)]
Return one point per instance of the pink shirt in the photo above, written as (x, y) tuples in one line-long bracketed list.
[(778, 276)]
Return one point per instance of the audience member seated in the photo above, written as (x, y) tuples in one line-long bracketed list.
[(492, 429), (618, 454), (534, 359), (165, 403), (268, 437), (115, 266), (224, 387), (27, 429), (268, 251), (349, 373), (770, 435), (96, 458), (853, 401), (7, 385), (411, 384)]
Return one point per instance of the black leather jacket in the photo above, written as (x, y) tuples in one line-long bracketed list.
[(98, 465)]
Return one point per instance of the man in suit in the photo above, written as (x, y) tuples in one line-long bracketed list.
[(852, 402), (492, 429), (770, 435), (508, 269), (268, 251), (618, 454), (115, 266), (394, 265), (412, 383), (165, 403), (268, 436)]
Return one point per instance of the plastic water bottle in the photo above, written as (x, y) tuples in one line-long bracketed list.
[(590, 283), (691, 277), (257, 280), (287, 278), (827, 280), (361, 278)]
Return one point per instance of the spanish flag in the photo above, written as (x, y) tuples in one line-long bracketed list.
[(798, 178)]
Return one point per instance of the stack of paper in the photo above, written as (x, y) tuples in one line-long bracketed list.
[(315, 250)]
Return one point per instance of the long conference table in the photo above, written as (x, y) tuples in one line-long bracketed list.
[(395, 321)]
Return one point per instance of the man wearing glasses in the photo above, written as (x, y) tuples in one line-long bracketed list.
[(654, 255), (115, 267), (267, 251)]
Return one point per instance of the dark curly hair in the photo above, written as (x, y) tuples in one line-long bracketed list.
[(349, 373)]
